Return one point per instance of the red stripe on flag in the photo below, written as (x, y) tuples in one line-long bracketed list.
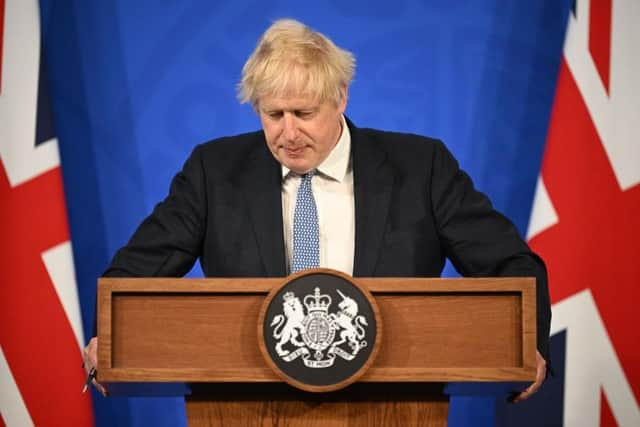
[(37, 339), (600, 38), (1, 39), (594, 244), (606, 416)]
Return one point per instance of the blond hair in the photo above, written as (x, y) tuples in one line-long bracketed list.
[(293, 60)]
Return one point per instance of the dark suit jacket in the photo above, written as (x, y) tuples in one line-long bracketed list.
[(413, 205)]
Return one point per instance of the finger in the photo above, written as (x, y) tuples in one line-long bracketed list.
[(541, 368), (526, 393), (92, 351), (89, 355), (100, 388), (541, 371), (541, 374), (518, 397), (87, 366)]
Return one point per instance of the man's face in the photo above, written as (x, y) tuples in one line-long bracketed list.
[(300, 132)]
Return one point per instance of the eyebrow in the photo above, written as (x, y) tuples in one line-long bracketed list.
[(271, 109)]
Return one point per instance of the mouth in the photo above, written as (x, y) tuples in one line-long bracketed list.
[(294, 151)]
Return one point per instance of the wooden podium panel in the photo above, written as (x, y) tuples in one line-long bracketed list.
[(360, 405), (435, 330), (204, 331)]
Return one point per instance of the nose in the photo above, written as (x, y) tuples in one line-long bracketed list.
[(290, 127)]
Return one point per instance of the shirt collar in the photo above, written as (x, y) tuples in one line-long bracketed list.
[(337, 162)]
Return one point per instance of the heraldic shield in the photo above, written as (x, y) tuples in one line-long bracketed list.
[(320, 330)]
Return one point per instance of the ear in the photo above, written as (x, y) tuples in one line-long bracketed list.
[(342, 105)]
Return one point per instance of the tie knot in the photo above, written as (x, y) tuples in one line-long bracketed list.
[(305, 179)]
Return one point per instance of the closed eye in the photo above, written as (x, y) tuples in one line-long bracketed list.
[(304, 114), (274, 114)]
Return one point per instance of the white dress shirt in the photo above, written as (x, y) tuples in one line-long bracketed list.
[(333, 192)]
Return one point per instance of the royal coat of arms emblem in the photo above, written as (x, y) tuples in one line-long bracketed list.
[(319, 330), (318, 336)]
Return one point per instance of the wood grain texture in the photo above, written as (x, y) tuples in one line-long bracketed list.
[(263, 413), (189, 330), (355, 407), (441, 330)]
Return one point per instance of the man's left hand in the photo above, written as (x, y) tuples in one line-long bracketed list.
[(541, 372)]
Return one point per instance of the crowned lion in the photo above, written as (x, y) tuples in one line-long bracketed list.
[(294, 314)]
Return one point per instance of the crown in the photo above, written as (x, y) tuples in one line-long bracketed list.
[(317, 302)]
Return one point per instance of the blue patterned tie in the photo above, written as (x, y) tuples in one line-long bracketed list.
[(306, 240)]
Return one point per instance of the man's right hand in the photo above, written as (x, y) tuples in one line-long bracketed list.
[(90, 357)]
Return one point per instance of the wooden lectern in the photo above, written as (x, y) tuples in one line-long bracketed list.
[(202, 333)]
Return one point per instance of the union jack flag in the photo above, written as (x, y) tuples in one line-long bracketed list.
[(40, 327), (586, 224)]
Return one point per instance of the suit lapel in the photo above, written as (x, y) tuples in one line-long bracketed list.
[(261, 183), (260, 186), (373, 182)]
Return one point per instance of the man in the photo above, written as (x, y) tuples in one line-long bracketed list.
[(380, 203)]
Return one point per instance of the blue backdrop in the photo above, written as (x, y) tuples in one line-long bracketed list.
[(136, 84)]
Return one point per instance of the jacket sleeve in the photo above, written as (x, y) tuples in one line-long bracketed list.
[(480, 241), (169, 241)]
